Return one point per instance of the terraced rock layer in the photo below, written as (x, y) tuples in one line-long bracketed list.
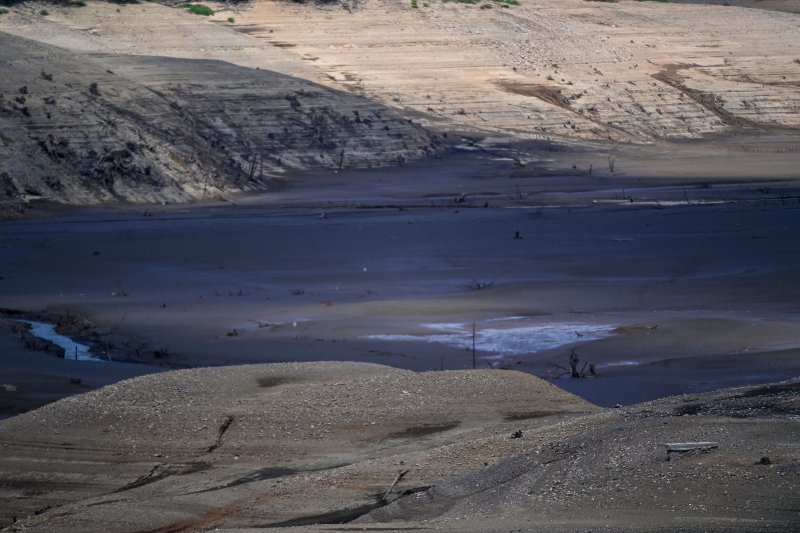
[(171, 124), (625, 71), (87, 128)]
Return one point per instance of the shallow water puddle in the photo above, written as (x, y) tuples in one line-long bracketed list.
[(506, 336), (72, 350)]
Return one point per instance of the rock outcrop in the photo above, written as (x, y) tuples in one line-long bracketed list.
[(85, 128)]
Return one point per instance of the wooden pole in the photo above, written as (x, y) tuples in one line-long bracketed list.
[(397, 478), (473, 346)]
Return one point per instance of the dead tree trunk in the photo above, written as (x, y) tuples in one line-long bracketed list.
[(573, 363)]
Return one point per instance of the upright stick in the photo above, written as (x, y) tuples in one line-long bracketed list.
[(473, 346)]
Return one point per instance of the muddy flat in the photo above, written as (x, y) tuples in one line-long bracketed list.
[(655, 277)]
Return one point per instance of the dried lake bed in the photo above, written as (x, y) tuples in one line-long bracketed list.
[(659, 299)]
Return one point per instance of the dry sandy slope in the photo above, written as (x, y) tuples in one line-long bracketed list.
[(630, 71), (304, 444), (259, 444), (614, 474)]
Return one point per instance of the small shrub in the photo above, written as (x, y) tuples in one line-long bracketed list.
[(198, 9), (79, 3), (231, 20), (476, 285), (3, 11), (414, 4), (44, 12), (512, 2)]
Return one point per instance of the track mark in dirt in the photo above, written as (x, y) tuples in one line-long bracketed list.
[(258, 475), (743, 77), (342, 516), (423, 431), (772, 390), (247, 29), (221, 433), (553, 95), (163, 471), (547, 93), (193, 524), (670, 75), (778, 401), (105, 502), (526, 415), (272, 381)]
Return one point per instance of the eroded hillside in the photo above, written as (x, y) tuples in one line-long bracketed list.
[(189, 107), (626, 71), (86, 128)]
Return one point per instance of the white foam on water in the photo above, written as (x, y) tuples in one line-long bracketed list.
[(446, 326), (72, 350), (619, 363), (514, 340)]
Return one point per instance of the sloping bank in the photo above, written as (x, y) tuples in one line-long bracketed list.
[(80, 128)]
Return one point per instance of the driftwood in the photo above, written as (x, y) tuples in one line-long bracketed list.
[(676, 449), (397, 479)]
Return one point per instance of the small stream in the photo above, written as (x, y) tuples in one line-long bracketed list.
[(74, 351)]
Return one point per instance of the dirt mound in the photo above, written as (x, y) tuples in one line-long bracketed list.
[(616, 474), (213, 439), (318, 444)]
